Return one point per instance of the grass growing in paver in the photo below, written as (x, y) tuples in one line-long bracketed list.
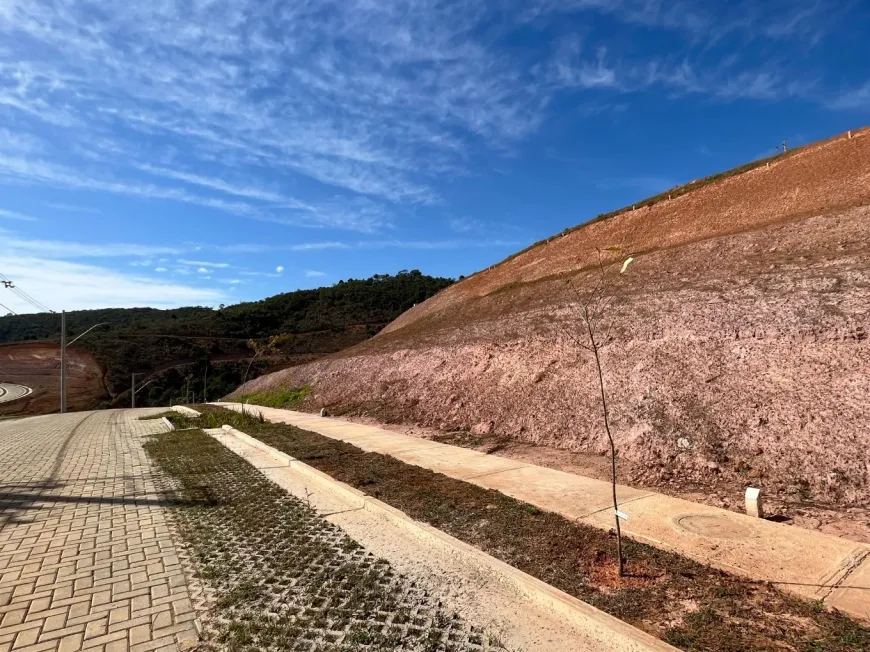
[(691, 606), (283, 578)]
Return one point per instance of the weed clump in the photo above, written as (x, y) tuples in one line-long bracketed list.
[(282, 397)]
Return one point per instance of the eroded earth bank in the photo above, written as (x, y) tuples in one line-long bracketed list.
[(738, 350)]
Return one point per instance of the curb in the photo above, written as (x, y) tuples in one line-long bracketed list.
[(186, 411), (325, 481), (168, 423), (585, 616)]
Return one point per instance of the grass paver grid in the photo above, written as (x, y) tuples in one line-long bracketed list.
[(283, 578), (687, 604)]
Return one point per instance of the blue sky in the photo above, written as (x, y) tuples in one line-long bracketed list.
[(183, 152)]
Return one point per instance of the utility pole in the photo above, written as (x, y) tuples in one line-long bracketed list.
[(134, 390), (63, 361), (205, 384), (187, 392), (63, 345)]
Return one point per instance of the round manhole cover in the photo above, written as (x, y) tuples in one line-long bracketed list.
[(718, 527)]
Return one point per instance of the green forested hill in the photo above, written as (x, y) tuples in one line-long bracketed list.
[(179, 343)]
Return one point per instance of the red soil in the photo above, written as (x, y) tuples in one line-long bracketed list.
[(739, 352), (37, 365)]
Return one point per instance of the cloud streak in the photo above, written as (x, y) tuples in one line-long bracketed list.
[(368, 244), (66, 285), (349, 114), (12, 215), (68, 249)]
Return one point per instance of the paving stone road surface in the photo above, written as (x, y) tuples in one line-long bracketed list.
[(86, 558)]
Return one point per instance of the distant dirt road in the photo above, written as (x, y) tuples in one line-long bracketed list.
[(11, 392), (36, 365)]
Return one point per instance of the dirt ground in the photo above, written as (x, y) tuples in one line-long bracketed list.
[(37, 365), (738, 350), (741, 360)]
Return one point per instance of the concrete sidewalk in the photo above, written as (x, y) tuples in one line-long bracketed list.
[(811, 564)]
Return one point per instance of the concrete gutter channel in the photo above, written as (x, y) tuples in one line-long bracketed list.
[(526, 612), (810, 564)]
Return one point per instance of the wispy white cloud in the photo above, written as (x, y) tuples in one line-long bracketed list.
[(12, 215), (855, 98), (347, 113), (30, 171), (803, 20), (382, 98), (253, 248), (434, 244), (725, 81), (71, 249), (202, 263), (370, 244), (313, 273), (249, 192), (70, 208), (467, 225), (64, 285), (248, 272)]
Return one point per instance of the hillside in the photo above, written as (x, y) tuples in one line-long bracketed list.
[(739, 351), (170, 346)]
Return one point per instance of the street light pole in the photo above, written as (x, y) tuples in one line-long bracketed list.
[(63, 361), (63, 345), (134, 389)]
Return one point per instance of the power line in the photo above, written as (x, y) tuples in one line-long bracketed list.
[(21, 294), (7, 308)]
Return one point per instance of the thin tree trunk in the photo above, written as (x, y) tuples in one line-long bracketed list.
[(594, 346), (245, 379)]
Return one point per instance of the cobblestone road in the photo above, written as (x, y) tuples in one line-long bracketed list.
[(86, 558)]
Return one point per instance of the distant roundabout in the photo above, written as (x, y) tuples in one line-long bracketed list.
[(12, 392)]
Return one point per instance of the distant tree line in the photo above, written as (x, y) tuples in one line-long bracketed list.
[(316, 322)]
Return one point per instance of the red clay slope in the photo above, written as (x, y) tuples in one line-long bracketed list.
[(831, 175), (739, 351), (37, 365)]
